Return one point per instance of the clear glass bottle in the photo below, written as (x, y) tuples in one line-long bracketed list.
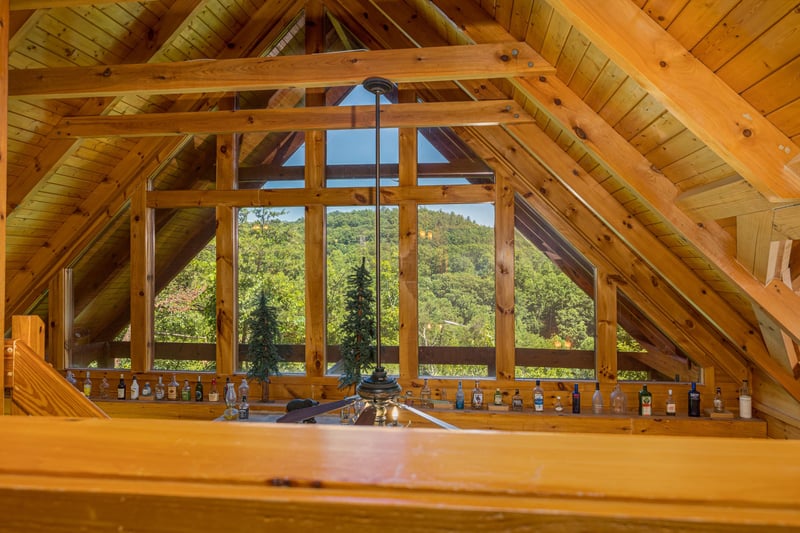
[(172, 388), (694, 401), (597, 399), (198, 390), (87, 385), (425, 395), (671, 407), (719, 402), (576, 399), (134, 388), (516, 401), (104, 386), (121, 388), (477, 396), (645, 402), (244, 388), (460, 396), (160, 389), (745, 401), (558, 406), (538, 397), (619, 401), (186, 391), (70, 377), (498, 397), (231, 412), (213, 395), (147, 390), (244, 409)]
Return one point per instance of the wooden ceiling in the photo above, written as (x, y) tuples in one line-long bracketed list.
[(675, 123)]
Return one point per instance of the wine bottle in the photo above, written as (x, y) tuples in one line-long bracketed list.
[(538, 397), (671, 408), (172, 389), (460, 396), (576, 400), (198, 390), (516, 401), (213, 395), (477, 397), (645, 402), (745, 401), (121, 389), (134, 388), (694, 400), (87, 385), (597, 399)]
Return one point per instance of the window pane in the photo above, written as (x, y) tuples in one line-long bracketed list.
[(554, 293), (272, 260), (456, 290)]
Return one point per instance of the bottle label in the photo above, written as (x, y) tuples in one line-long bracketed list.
[(213, 396), (745, 407), (87, 389), (244, 413), (198, 395), (671, 408), (159, 393), (538, 402), (134, 393), (121, 393), (172, 392), (647, 407)]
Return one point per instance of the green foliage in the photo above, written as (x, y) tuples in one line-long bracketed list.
[(358, 329), (263, 343)]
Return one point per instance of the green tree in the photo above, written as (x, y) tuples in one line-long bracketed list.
[(358, 329), (263, 345)]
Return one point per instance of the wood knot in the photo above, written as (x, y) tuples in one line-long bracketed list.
[(662, 64), (107, 72), (504, 58), (557, 101), (747, 132), (542, 79), (580, 133)]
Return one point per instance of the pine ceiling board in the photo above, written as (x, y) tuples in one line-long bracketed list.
[(717, 173), (204, 37), (777, 89), (238, 11), (691, 168), (503, 11), (181, 49), (221, 20), (674, 149), (46, 49), (18, 60), (646, 111), (623, 100), (519, 19), (588, 71), (95, 30), (664, 12), (607, 84), (698, 18), (661, 130), (572, 53), (772, 50), (738, 29), (80, 49), (557, 33), (787, 119), (541, 13)]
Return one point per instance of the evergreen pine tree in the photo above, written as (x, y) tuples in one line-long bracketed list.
[(358, 328), (263, 349)]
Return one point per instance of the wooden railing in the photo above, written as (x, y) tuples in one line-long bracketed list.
[(159, 475)]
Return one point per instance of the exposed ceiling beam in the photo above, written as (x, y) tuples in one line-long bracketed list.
[(725, 198), (20, 5), (723, 120), (295, 119), (263, 73)]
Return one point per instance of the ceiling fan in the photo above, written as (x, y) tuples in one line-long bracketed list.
[(377, 394)]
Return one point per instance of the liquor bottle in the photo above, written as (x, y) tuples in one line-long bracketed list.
[(516, 401), (460, 396), (477, 397), (597, 399), (745, 401), (186, 391), (134, 388), (104, 386), (645, 402), (619, 401), (425, 395), (230, 401), (498, 397), (576, 400), (121, 389), (557, 406), (213, 395), (198, 390), (694, 400), (538, 397), (87, 385), (671, 410), (71, 379), (719, 403), (172, 388), (244, 409), (147, 391), (244, 388), (160, 389)]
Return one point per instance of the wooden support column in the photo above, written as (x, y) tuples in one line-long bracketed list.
[(408, 252), (5, 24), (30, 330), (60, 319), (605, 295), (227, 255), (142, 280), (315, 140), (505, 343)]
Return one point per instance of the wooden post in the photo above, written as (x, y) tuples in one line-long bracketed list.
[(30, 330), (605, 297), (227, 255), (5, 24), (408, 254), (60, 318), (142, 280), (505, 343)]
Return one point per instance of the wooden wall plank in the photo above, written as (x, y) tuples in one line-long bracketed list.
[(505, 324), (60, 311), (606, 326), (227, 237), (142, 280), (5, 26), (29, 329)]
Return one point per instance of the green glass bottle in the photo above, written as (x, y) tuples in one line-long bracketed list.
[(645, 402)]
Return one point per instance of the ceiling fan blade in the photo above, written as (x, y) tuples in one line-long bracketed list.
[(426, 416), (366, 417), (299, 415)]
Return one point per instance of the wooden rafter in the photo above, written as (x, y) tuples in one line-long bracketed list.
[(308, 71)]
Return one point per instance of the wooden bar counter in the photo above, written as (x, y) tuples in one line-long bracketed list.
[(62, 474)]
